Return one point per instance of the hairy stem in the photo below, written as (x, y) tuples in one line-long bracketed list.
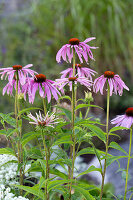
[(107, 140), (129, 156)]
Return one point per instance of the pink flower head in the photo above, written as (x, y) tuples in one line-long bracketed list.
[(125, 120), (43, 121), (79, 71), (64, 81), (81, 49), (22, 72), (115, 83), (45, 87), (9, 87)]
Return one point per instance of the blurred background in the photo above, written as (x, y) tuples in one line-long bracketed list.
[(32, 31)]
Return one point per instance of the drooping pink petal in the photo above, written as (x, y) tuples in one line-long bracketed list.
[(89, 39)]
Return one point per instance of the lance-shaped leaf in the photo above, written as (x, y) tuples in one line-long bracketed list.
[(84, 192), (91, 169), (114, 145), (117, 129), (86, 105), (33, 190)]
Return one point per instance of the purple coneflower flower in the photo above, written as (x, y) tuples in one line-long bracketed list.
[(125, 120), (9, 87), (22, 72), (64, 81), (81, 49), (114, 80), (43, 121), (79, 71), (45, 87)]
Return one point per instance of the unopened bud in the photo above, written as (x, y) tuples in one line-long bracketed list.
[(88, 97), (21, 96)]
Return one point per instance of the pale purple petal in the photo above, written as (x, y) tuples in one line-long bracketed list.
[(89, 39), (47, 91)]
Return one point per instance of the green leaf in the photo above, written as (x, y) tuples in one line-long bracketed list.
[(62, 140), (42, 163), (115, 135), (91, 169), (97, 131), (29, 136), (58, 173), (114, 158), (41, 182), (33, 190), (86, 105), (117, 128), (65, 97), (114, 145), (130, 189), (66, 112), (7, 151), (87, 186), (85, 122), (84, 192), (11, 131), (89, 150), (7, 118), (3, 132), (124, 175), (28, 109), (56, 183)]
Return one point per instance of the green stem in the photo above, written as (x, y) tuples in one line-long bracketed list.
[(13, 145), (73, 62), (19, 135), (44, 106), (73, 131), (129, 156), (47, 166), (88, 109), (21, 152), (107, 140), (16, 115)]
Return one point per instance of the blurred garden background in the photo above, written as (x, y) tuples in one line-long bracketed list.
[(32, 31)]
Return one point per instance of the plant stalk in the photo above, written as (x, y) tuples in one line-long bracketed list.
[(73, 131), (107, 140), (44, 106), (19, 135), (47, 167), (129, 156)]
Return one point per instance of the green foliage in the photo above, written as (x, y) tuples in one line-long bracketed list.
[(84, 192), (116, 146), (91, 169), (33, 190), (7, 118), (7, 151)]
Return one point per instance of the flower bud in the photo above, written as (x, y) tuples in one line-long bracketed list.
[(88, 97)]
